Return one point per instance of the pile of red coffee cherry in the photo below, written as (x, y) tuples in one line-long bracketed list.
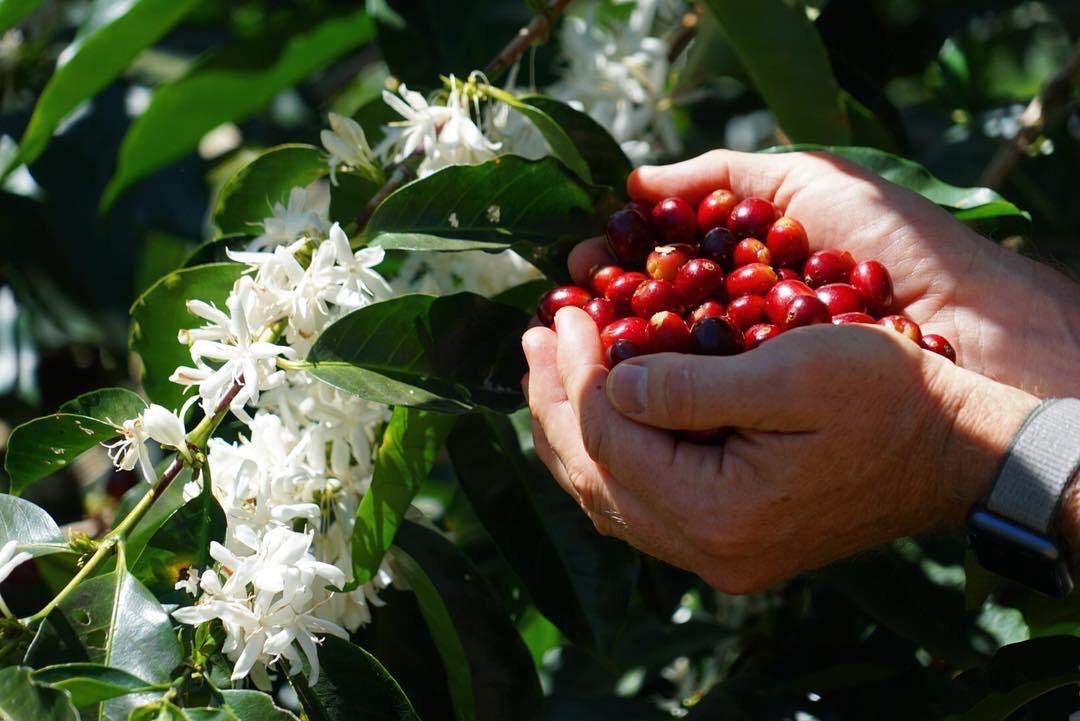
[(723, 280)]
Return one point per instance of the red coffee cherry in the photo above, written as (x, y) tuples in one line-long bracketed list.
[(805, 310), (841, 298), (625, 338), (789, 274), (874, 283), (715, 209), (903, 326), (938, 344), (699, 280), (653, 296), (708, 309), (560, 297), (629, 237), (753, 279), (621, 290), (715, 336), (828, 266), (845, 318), (752, 217), (674, 221), (788, 243), (780, 296), (718, 245), (600, 277), (669, 333), (757, 334), (665, 260), (747, 310), (602, 311), (751, 250)]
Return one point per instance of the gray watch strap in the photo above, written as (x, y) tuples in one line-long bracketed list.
[(1042, 459)]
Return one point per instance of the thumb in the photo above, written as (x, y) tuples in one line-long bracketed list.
[(746, 174)]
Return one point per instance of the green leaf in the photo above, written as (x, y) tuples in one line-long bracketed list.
[(525, 295), (168, 711), (182, 542), (21, 699), (254, 705), (488, 666), (159, 513), (33, 530), (967, 204), (249, 196), (12, 11), (120, 624), (352, 679), (536, 207), (114, 32), (562, 147), (159, 314), (230, 84), (600, 151), (92, 683), (448, 353), (578, 579), (45, 445), (788, 64), (1018, 674), (406, 455)]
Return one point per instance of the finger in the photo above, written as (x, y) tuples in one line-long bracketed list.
[(770, 391), (585, 256), (745, 174)]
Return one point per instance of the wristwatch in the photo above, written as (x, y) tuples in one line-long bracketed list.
[(1013, 531)]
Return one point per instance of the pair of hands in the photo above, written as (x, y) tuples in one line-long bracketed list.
[(845, 437)]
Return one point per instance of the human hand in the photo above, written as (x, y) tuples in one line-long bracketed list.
[(1010, 318), (845, 437)]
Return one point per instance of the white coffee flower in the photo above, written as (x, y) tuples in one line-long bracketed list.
[(157, 423), (190, 582), (9, 560), (348, 145), (305, 216)]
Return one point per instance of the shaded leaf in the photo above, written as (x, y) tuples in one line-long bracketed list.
[(448, 353), (526, 295), (12, 11), (21, 699), (114, 32), (92, 683), (352, 679), (488, 666), (230, 84), (250, 195), (254, 706), (159, 314), (578, 579), (44, 445), (406, 455), (30, 526), (560, 144)]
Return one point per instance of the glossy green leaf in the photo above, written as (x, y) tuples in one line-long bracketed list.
[(404, 460), (12, 11), (92, 683), (1018, 674), (967, 204), (788, 64), (488, 666), (352, 682), (22, 699), (536, 207), (159, 314), (251, 705), (168, 711), (114, 32), (30, 526), (163, 508), (578, 579), (45, 445), (525, 295), (120, 624), (605, 159), (448, 353), (230, 85), (249, 196), (562, 147)]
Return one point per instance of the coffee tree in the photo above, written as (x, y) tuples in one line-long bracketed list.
[(316, 496)]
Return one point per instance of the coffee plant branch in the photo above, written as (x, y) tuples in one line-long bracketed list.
[(539, 25)]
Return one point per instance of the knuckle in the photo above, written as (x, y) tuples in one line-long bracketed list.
[(594, 431)]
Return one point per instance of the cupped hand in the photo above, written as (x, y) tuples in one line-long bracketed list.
[(1010, 318), (843, 438)]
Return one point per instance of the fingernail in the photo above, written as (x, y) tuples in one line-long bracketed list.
[(626, 387)]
